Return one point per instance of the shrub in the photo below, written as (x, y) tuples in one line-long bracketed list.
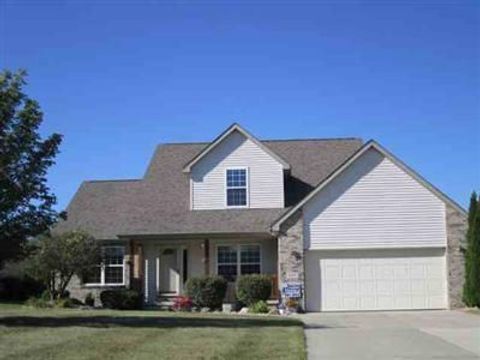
[(68, 303), (121, 299), (259, 307), (38, 302), (182, 303), (207, 291), (253, 288), (15, 284), (89, 300)]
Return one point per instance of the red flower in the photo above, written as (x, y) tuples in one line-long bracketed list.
[(182, 303)]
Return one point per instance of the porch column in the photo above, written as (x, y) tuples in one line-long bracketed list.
[(136, 271), (157, 273), (206, 256), (180, 269), (146, 292)]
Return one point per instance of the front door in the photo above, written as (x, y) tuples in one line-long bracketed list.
[(168, 271)]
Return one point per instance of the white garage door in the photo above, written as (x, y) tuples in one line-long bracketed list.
[(376, 280)]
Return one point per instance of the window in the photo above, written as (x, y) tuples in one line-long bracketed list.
[(110, 270), (250, 259), (236, 187), (238, 260), (227, 262)]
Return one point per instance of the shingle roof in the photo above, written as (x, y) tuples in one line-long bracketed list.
[(158, 204)]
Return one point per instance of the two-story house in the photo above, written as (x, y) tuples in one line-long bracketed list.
[(346, 222)]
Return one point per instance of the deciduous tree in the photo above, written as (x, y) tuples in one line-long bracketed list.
[(26, 202), (59, 257)]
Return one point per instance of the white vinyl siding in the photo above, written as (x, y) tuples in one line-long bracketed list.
[(395, 279), (374, 204), (265, 175)]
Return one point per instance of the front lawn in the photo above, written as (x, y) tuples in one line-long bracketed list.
[(27, 333)]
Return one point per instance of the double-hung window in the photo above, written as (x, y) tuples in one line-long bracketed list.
[(111, 269), (237, 187), (233, 260)]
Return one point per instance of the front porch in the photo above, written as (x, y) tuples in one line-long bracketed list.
[(160, 267)]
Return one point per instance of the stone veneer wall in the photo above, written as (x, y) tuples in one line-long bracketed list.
[(456, 231), (79, 291), (291, 253)]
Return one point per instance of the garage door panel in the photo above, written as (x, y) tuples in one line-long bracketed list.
[(367, 302), (436, 287), (418, 287), (417, 271), (436, 302), (361, 280), (349, 287), (367, 287), (366, 272), (332, 271), (402, 287), (401, 271), (349, 271)]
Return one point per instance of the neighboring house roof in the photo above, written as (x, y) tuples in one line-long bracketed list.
[(336, 172), (234, 127), (159, 203)]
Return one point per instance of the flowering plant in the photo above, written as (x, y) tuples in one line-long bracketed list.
[(182, 303)]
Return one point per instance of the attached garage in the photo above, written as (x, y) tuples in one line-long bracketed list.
[(375, 236), (356, 280)]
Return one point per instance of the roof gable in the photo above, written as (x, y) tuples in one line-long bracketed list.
[(233, 128), (340, 169), (158, 203)]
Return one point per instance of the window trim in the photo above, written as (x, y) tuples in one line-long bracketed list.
[(239, 256), (103, 266), (247, 188)]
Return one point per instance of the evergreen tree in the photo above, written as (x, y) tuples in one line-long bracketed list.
[(471, 290), (476, 263)]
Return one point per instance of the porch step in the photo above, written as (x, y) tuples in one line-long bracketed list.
[(167, 295), (165, 300)]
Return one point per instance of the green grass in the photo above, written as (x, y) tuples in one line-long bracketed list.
[(27, 333)]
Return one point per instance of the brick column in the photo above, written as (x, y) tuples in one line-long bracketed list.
[(456, 232), (291, 254)]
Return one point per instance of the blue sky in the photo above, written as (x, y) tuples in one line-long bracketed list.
[(117, 78)]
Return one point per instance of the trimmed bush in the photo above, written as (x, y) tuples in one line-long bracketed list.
[(253, 288), (19, 288), (260, 307), (121, 299), (15, 284), (89, 300), (68, 303), (38, 302), (207, 291)]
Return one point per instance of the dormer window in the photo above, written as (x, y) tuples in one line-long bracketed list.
[(237, 187)]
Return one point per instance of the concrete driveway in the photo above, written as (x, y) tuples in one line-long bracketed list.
[(393, 335)]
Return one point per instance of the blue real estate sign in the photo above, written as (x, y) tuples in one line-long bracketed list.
[(292, 290)]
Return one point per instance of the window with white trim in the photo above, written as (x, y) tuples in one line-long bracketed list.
[(233, 260), (111, 270), (236, 185)]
